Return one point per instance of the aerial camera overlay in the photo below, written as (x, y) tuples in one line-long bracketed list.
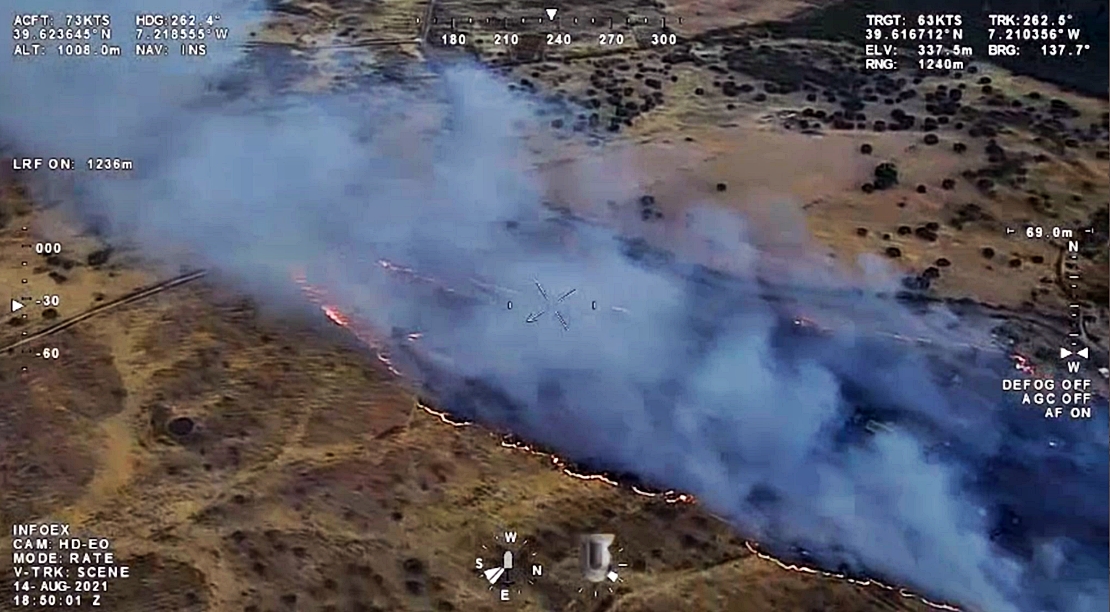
[(619, 306)]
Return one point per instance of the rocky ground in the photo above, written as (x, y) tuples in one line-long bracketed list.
[(245, 460)]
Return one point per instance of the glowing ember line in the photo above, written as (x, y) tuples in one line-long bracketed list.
[(413, 274), (753, 548), (336, 316), (810, 324), (442, 416), (318, 297), (670, 497), (1023, 364)]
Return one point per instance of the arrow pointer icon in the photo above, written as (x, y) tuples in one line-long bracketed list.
[(532, 318)]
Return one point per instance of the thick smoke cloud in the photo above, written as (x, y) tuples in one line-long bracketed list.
[(682, 378)]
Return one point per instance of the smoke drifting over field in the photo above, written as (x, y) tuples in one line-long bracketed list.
[(697, 386)]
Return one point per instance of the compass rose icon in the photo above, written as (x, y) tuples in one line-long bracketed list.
[(550, 305)]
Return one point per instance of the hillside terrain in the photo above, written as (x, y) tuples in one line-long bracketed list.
[(247, 459)]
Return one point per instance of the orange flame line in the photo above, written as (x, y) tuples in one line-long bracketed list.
[(1023, 364), (317, 296), (753, 548)]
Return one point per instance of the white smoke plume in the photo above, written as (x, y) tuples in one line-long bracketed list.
[(693, 383)]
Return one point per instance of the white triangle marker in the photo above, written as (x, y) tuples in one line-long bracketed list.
[(551, 13), (16, 306), (1064, 353), (1084, 352), (494, 574)]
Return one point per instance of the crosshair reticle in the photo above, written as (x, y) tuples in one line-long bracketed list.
[(549, 305)]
